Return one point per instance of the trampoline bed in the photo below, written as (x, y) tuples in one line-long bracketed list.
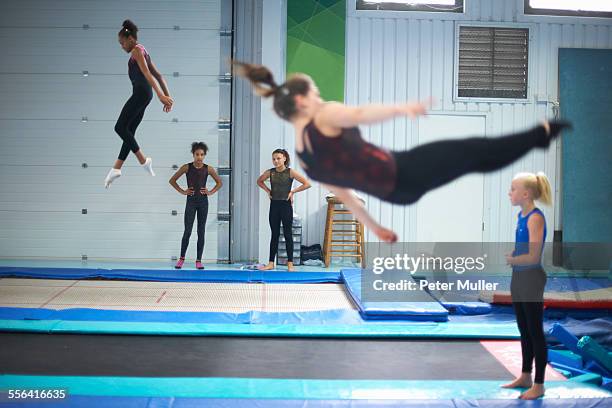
[(172, 296)]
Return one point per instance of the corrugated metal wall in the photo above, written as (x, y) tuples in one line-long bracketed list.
[(56, 126), (399, 56), (246, 135)]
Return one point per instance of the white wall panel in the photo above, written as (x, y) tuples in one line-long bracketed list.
[(72, 143), (149, 14), (70, 235), (102, 97), (74, 50)]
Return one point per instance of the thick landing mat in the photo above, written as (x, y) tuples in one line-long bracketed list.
[(466, 303), (587, 299), (423, 308), (562, 292)]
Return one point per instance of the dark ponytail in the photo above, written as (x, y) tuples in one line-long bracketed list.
[(129, 29), (284, 153), (263, 82), (258, 75)]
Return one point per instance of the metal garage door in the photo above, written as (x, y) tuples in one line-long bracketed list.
[(63, 80)]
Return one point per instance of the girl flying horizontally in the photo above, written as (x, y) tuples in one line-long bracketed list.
[(331, 150)]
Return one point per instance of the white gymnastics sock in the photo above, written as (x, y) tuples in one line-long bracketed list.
[(112, 175), (148, 166)]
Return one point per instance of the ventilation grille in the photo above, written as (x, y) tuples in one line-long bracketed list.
[(493, 62)]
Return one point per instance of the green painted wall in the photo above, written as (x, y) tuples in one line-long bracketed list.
[(315, 43)]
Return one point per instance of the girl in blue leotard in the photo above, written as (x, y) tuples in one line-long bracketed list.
[(529, 279)]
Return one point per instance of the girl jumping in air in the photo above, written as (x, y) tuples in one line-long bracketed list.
[(145, 79), (281, 203), (197, 173), (529, 279), (332, 151)]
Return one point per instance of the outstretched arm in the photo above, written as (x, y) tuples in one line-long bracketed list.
[(348, 198), (337, 115)]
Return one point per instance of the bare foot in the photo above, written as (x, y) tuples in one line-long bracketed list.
[(290, 267), (268, 267), (524, 381), (535, 392), (546, 125)]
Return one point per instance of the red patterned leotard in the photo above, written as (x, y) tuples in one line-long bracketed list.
[(348, 161)]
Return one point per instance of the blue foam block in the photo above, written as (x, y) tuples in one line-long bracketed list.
[(590, 378), (606, 383), (565, 337), (418, 310), (565, 357), (591, 349), (572, 370)]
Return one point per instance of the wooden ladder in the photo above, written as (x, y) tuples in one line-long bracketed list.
[(344, 235)]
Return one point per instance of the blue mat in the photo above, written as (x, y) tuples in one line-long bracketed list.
[(78, 401), (444, 391), (320, 317), (418, 310), (173, 275), (325, 323)]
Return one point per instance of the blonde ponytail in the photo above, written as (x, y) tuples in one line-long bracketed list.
[(544, 193), (539, 186)]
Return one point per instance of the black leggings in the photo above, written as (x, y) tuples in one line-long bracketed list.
[(131, 116), (193, 207), (281, 210), (432, 165), (527, 290)]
